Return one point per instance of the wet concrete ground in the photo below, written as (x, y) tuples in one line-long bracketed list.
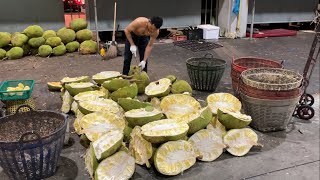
[(290, 154)]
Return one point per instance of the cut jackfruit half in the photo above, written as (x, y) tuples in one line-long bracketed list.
[(104, 76), (223, 100), (107, 144), (164, 130), (233, 119), (67, 100), (174, 157), (139, 148), (89, 95), (100, 104), (158, 88), (76, 88), (90, 161), (142, 116), (67, 80), (208, 145), (54, 86), (240, 141), (127, 91), (217, 127), (179, 106), (118, 166), (96, 124), (115, 84), (128, 104)]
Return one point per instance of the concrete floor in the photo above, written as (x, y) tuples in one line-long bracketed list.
[(290, 154)]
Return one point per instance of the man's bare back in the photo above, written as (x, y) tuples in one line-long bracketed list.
[(142, 27)]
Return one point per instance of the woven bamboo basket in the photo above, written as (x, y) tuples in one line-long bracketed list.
[(273, 79)]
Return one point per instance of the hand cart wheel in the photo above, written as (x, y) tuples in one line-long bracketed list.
[(307, 99), (305, 112)]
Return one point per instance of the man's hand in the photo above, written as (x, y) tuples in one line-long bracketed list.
[(133, 50), (142, 64)]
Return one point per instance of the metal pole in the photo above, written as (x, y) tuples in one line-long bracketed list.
[(96, 23), (205, 14), (252, 18), (211, 12)]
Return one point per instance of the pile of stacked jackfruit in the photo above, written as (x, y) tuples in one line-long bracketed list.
[(170, 129), (35, 41)]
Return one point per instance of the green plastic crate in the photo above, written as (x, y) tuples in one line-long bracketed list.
[(15, 95)]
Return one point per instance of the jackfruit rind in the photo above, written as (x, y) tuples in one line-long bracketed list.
[(91, 162), (88, 47), (140, 117), (36, 42), (107, 144), (118, 166), (54, 86), (66, 102), (223, 100), (44, 50), (78, 24), (83, 35), (2, 53), (179, 106), (72, 46), (89, 95), (139, 148), (53, 41), (26, 49), (134, 70), (59, 50), (128, 104), (49, 33), (67, 80), (105, 75), (127, 91), (208, 145), (33, 31), (142, 81), (174, 157), (115, 84), (199, 121), (158, 88), (15, 53), (66, 35), (164, 130), (172, 78), (76, 88), (5, 39), (180, 87), (233, 119), (18, 39), (100, 104), (240, 141)]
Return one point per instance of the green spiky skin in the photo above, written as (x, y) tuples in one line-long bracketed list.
[(133, 70), (66, 35), (129, 104), (201, 122), (88, 47), (126, 132), (2, 53), (53, 41), (127, 91), (33, 31), (5, 39), (181, 86), (143, 81), (78, 24), (59, 50), (75, 91), (83, 35), (44, 50), (162, 139), (84, 141), (165, 93), (26, 49), (115, 84), (72, 46), (49, 33), (172, 78), (36, 42), (15, 53), (231, 122), (18, 39), (140, 121), (84, 79)]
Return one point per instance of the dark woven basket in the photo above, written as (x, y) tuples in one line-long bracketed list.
[(205, 73), (269, 115), (30, 144)]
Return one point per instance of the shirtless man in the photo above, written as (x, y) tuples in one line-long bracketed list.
[(138, 33)]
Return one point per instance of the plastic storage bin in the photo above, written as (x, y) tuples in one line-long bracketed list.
[(209, 31)]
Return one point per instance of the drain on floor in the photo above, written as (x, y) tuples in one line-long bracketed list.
[(195, 45)]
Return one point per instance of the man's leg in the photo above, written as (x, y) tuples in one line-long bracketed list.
[(143, 42), (127, 58)]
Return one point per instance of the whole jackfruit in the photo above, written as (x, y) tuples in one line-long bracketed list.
[(26, 49), (72, 46), (15, 53), (66, 35), (181, 86), (33, 31), (88, 47), (36, 42), (5, 39), (2, 53), (78, 24), (44, 50), (48, 34), (59, 50), (84, 34), (53, 41), (18, 39)]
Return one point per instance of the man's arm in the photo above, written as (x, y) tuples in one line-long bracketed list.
[(150, 45), (130, 28)]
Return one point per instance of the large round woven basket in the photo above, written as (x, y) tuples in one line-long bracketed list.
[(269, 115), (273, 79)]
